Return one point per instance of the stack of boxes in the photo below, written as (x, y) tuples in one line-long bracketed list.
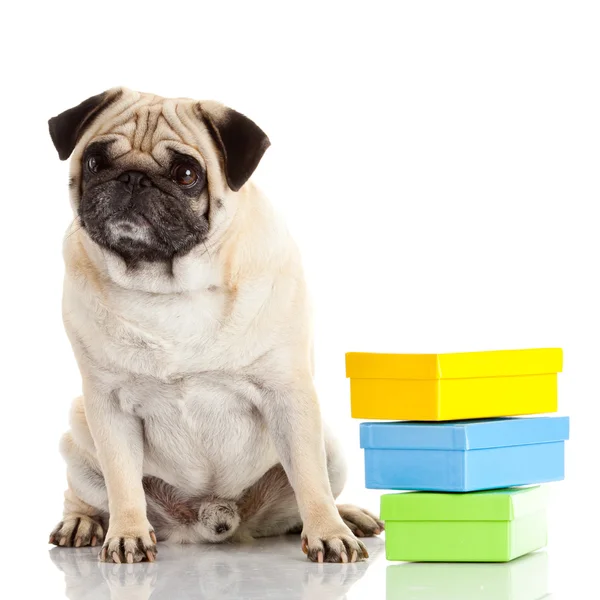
[(446, 435)]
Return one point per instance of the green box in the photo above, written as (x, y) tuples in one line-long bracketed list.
[(525, 578), (493, 526)]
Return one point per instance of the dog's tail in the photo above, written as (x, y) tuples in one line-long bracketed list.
[(218, 519)]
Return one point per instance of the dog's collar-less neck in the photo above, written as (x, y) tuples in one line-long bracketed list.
[(193, 272)]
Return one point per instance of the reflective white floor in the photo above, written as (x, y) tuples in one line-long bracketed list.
[(276, 569)]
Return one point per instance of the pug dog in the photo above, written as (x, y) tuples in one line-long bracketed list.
[(186, 306)]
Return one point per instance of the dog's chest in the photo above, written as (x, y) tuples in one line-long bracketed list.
[(202, 432), (177, 364), (155, 336)]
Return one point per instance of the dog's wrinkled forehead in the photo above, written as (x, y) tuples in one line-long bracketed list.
[(145, 124), (153, 124), (147, 132)]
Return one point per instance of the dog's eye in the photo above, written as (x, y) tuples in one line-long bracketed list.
[(184, 175), (93, 164)]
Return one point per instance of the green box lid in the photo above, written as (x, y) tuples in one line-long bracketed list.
[(495, 505)]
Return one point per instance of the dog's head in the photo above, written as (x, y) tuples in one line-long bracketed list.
[(149, 175)]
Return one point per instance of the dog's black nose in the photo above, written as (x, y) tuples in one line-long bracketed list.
[(135, 179)]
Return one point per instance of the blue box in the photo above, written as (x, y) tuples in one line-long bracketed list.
[(464, 456)]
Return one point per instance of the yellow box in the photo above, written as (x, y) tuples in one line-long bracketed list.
[(448, 387)]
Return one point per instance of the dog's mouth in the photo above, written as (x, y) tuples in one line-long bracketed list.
[(136, 236)]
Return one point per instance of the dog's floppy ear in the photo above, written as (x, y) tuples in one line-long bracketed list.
[(67, 128), (241, 141)]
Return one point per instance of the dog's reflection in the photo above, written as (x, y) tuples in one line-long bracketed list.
[(271, 568), (525, 578)]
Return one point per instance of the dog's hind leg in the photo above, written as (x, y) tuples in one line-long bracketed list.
[(85, 515), (81, 525)]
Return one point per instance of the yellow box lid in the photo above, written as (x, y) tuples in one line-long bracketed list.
[(460, 365)]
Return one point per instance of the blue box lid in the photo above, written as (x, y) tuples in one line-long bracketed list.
[(464, 435)]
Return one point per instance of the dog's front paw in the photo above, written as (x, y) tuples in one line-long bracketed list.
[(337, 544), (130, 544)]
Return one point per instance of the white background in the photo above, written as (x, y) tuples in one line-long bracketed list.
[(437, 163)]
